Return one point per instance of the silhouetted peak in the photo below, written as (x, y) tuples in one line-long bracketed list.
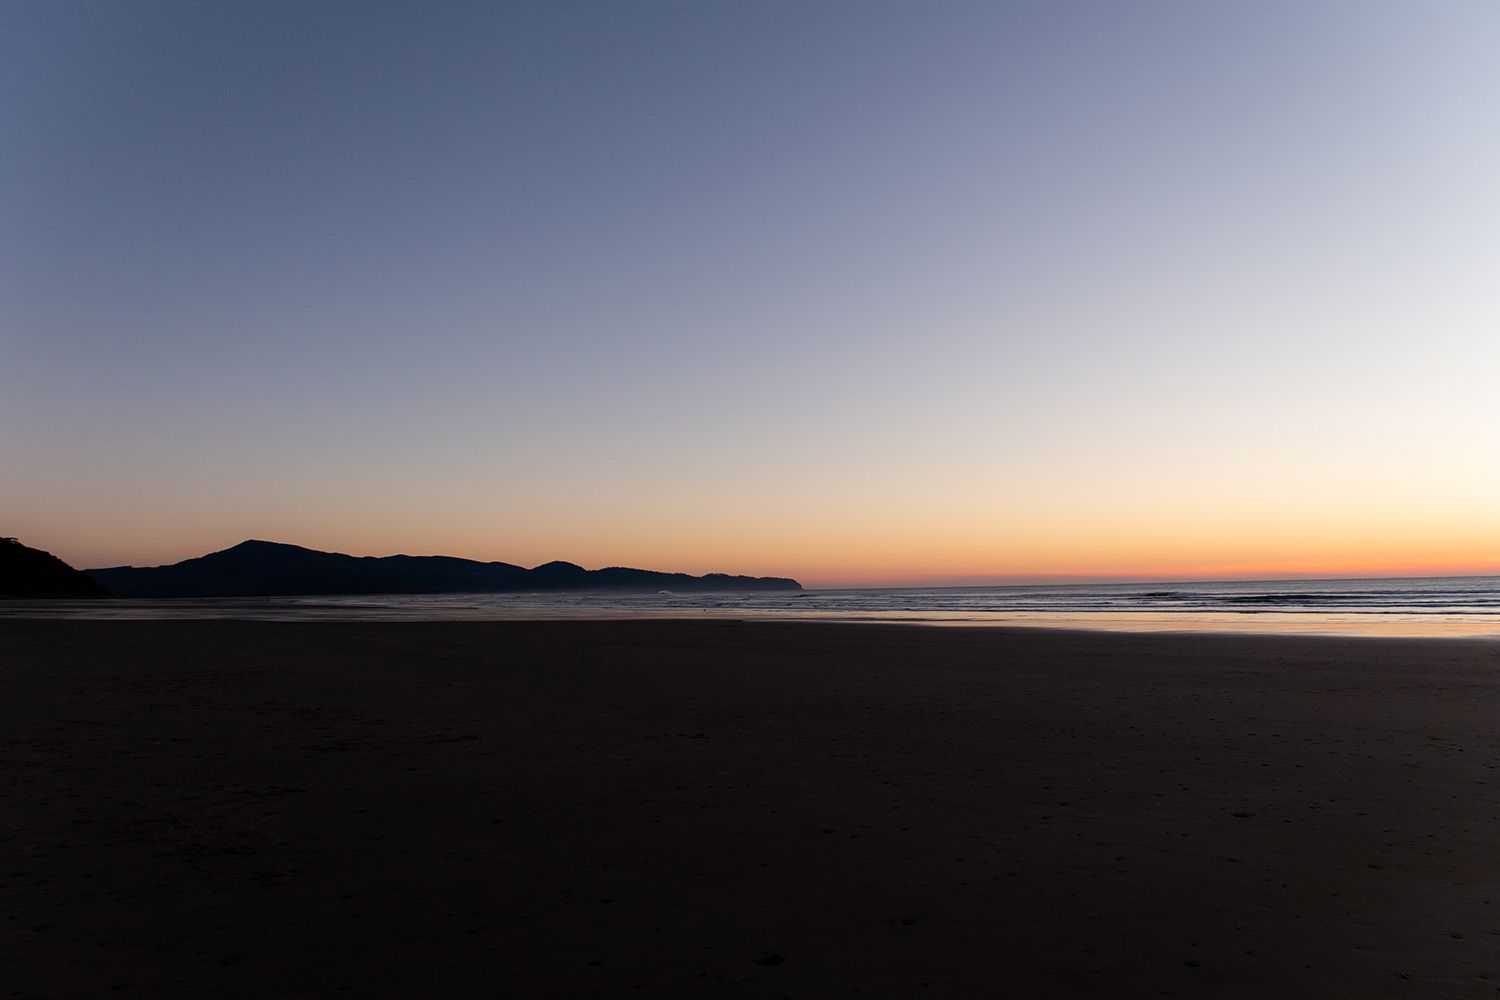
[(559, 565), (257, 545)]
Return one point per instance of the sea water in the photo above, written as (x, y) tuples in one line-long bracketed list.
[(1456, 606)]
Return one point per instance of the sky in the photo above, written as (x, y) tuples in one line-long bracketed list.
[(861, 293)]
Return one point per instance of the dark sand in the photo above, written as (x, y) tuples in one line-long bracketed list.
[(743, 810)]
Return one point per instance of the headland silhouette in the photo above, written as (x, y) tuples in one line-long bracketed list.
[(272, 569)]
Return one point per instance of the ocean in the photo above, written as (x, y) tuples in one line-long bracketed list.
[(1447, 606)]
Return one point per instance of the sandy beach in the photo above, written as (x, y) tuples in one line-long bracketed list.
[(254, 809)]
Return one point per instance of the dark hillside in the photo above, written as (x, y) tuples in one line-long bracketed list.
[(27, 572), (271, 569)]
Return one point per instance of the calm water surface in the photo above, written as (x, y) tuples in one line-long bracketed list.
[(1445, 606)]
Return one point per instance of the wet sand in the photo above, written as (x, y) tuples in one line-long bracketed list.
[(252, 809)]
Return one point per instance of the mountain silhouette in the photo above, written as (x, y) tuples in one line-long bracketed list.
[(28, 572), (272, 569)]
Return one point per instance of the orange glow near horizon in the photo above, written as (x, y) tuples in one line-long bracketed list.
[(919, 512), (951, 554)]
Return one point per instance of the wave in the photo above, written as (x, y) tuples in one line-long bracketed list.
[(1289, 599)]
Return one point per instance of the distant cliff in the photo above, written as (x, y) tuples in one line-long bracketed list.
[(27, 572), (271, 569)]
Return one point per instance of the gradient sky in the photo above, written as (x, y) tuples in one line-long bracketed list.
[(856, 292)]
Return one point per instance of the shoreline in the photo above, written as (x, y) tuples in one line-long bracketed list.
[(744, 809), (1352, 624)]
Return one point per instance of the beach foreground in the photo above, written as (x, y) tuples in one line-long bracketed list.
[(249, 809)]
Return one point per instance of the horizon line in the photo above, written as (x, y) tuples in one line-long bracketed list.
[(1126, 579)]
